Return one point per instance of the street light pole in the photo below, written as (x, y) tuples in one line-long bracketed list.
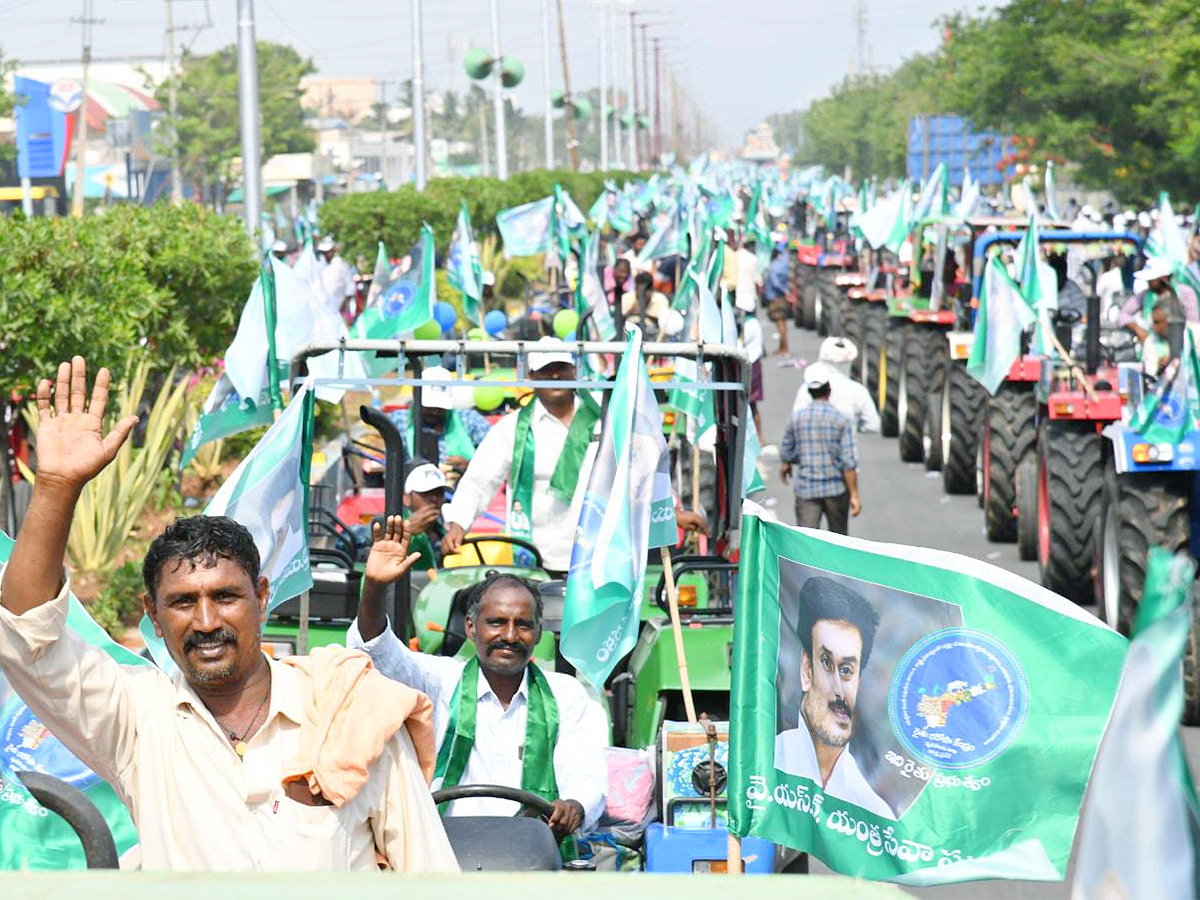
[(87, 21), (549, 124), (646, 92), (658, 135), (498, 98), (173, 107), (418, 98), (569, 109), (632, 97), (603, 87), (249, 118)]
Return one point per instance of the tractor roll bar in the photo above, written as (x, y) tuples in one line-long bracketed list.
[(1048, 237)]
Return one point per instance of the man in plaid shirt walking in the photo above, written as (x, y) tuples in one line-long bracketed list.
[(819, 441)]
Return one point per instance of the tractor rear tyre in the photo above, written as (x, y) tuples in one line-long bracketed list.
[(933, 351), (917, 357), (874, 331), (851, 329), (891, 366), (806, 297), (1137, 512), (1008, 435), (963, 405), (1070, 482), (1027, 497), (829, 319)]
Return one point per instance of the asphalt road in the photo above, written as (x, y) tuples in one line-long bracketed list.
[(903, 504)]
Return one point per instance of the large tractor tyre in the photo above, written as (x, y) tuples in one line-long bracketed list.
[(1070, 482), (891, 367), (1027, 498), (1008, 437), (830, 301), (931, 349), (874, 332), (1191, 667), (1137, 512), (962, 411), (807, 307), (912, 399)]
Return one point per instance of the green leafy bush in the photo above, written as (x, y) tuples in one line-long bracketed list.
[(118, 605), (360, 221)]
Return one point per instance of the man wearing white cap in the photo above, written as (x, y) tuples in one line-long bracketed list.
[(337, 279), (459, 431), (279, 250), (819, 441), (539, 451), (848, 396), (424, 494), (1152, 284)]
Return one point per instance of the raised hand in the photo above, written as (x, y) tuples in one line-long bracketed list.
[(389, 558), (71, 445)]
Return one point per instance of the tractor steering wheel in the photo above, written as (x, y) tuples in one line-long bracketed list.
[(474, 540), (532, 805)]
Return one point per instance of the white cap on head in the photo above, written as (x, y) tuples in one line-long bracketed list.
[(817, 375), (1154, 269), (1143, 219), (550, 350), (424, 478), (488, 279), (837, 350), (435, 397), (327, 244), (279, 247)]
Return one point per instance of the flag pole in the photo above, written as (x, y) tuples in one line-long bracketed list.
[(676, 629), (733, 860)]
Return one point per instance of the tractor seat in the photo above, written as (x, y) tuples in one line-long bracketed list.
[(491, 844)]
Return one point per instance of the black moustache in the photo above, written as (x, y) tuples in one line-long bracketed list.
[(840, 706), (499, 645), (213, 639)]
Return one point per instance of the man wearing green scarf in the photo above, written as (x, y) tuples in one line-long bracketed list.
[(500, 719), (541, 452)]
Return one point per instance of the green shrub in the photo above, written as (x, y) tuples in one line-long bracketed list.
[(360, 221), (118, 605)]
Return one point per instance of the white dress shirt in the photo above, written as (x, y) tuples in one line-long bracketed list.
[(337, 281), (748, 280), (796, 755), (553, 520), (848, 397), (579, 764), (197, 805)]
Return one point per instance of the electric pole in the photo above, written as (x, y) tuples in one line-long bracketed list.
[(646, 94), (860, 27), (658, 135), (249, 117), (546, 105), (381, 88), (632, 96), (173, 106), (603, 87), (569, 108), (498, 97), (87, 20), (418, 98)]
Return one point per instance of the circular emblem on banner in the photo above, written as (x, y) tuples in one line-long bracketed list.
[(26, 745), (957, 699), (1170, 411), (66, 95), (398, 296)]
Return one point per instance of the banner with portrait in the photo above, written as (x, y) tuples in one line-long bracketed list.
[(910, 714)]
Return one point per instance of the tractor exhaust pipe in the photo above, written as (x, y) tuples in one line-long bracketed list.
[(1091, 335)]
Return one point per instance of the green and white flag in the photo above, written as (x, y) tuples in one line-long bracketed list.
[(1138, 834), (30, 836), (526, 230), (934, 200), (908, 714), (463, 268), (1002, 316), (225, 413), (1051, 203), (590, 291), (1172, 409), (1038, 284), (405, 300), (268, 494), (628, 509), (668, 239), (694, 403), (887, 223)]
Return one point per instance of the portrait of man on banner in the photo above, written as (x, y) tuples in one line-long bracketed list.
[(840, 641)]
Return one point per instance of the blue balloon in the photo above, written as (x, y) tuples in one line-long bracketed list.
[(445, 315), (495, 322)]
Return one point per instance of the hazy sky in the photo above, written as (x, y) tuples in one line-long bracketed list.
[(740, 59)]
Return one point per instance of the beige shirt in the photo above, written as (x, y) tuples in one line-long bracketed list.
[(196, 804)]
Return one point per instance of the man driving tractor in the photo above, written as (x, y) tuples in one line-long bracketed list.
[(499, 718)]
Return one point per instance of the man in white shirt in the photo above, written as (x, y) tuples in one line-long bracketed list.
[(337, 278), (748, 280), (541, 452), (836, 628), (220, 765), (848, 396), (500, 719)]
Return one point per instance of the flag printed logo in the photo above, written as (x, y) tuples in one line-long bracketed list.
[(26, 745), (398, 298), (958, 698), (1171, 411)]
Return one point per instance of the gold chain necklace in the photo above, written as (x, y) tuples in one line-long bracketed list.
[(239, 743)]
